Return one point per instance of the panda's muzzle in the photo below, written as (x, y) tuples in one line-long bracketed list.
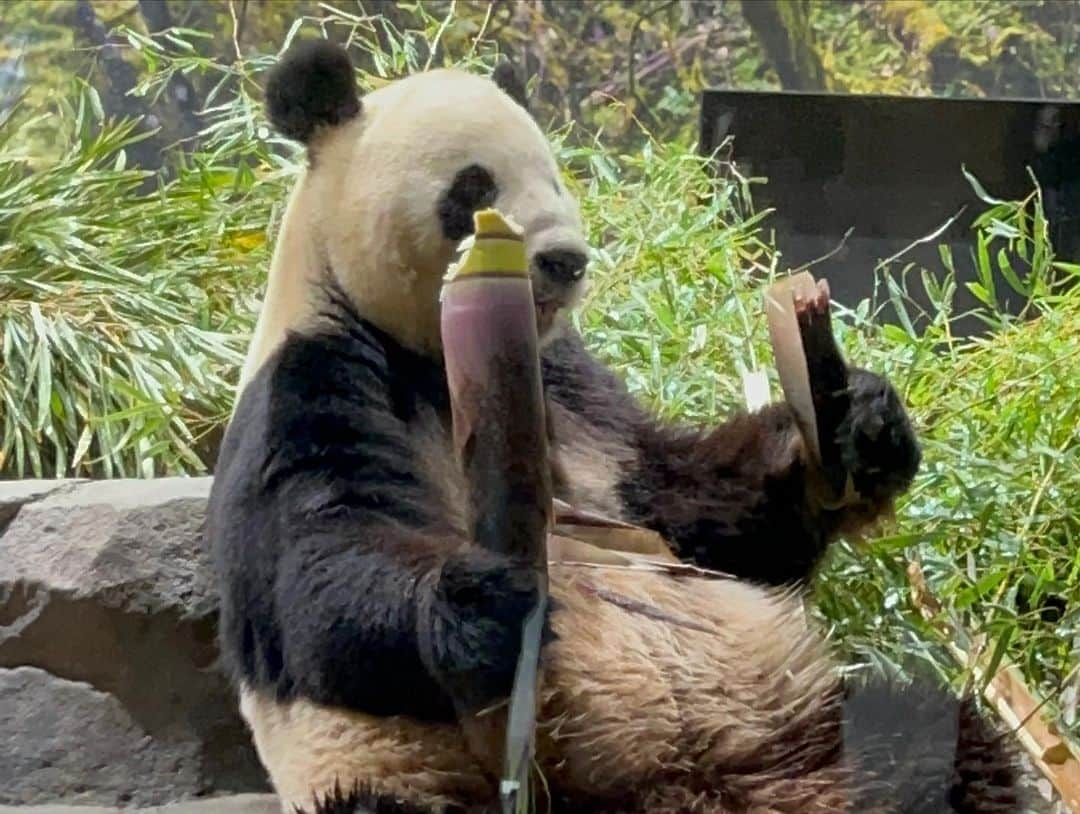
[(558, 276), (561, 266), (558, 273)]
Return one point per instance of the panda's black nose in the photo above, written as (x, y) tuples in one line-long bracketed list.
[(564, 266)]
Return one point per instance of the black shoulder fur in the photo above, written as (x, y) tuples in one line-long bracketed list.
[(342, 581)]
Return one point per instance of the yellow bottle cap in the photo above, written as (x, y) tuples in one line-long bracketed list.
[(498, 249)]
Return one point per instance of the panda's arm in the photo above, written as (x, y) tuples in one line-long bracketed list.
[(737, 497), (344, 582), (391, 620)]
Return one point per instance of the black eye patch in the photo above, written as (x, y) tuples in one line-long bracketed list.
[(473, 188)]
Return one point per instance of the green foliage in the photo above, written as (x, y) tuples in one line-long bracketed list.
[(951, 47), (124, 307), (126, 302), (671, 301), (994, 515)]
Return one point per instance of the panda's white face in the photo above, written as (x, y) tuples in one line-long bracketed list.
[(403, 180), (390, 193)]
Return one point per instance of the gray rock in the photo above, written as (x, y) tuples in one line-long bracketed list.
[(239, 804), (64, 739), (14, 494), (106, 586)]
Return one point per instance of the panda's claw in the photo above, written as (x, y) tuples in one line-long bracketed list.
[(474, 625), (863, 429), (875, 439)]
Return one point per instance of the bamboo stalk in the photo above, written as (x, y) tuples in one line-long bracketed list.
[(813, 373), (493, 371)]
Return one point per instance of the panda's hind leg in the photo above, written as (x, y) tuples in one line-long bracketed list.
[(365, 800), (346, 761), (916, 748), (663, 696), (362, 800)]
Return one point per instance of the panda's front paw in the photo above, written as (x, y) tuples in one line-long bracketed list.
[(474, 625), (877, 443)]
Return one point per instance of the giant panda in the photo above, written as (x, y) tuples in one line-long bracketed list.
[(372, 647)]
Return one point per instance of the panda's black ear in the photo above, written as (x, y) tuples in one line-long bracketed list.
[(507, 77), (312, 86)]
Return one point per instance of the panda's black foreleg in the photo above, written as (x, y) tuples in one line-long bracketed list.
[(374, 601), (741, 497), (744, 498), (388, 620)]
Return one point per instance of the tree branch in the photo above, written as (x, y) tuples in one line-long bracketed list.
[(631, 78), (121, 79), (179, 90), (783, 28)]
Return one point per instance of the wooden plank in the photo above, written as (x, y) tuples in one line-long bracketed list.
[(1010, 697)]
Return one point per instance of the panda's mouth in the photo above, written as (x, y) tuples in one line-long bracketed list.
[(546, 311), (553, 300)]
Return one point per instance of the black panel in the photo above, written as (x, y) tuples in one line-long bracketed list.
[(889, 168)]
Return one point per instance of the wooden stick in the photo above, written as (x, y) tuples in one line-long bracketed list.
[(1008, 694)]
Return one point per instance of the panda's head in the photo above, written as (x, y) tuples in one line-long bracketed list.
[(392, 182)]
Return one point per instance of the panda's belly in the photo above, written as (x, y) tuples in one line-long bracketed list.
[(649, 679), (652, 676), (587, 467)]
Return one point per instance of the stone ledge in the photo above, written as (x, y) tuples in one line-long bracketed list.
[(110, 690), (17, 493), (239, 804)]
